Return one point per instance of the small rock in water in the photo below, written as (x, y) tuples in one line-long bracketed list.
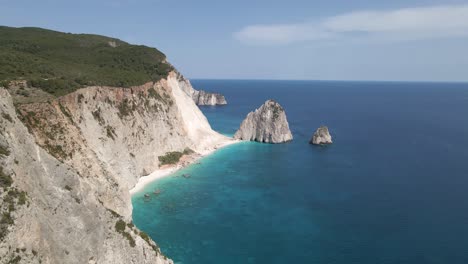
[(321, 136)]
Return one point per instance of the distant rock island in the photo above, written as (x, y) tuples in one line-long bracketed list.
[(206, 98), (267, 124), (321, 136), (201, 97)]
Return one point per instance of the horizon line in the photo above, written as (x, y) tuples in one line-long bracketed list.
[(329, 80)]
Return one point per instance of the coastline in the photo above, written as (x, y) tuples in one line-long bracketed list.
[(185, 161)]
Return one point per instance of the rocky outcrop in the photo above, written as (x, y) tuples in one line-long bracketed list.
[(76, 157), (321, 136), (201, 97), (206, 98), (267, 124)]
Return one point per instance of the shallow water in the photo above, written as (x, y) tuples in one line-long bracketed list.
[(391, 189)]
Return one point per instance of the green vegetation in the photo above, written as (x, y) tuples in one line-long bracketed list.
[(145, 237), (120, 227), (56, 151), (60, 63), (7, 117), (174, 156), (5, 180), (170, 157), (11, 199), (126, 107), (15, 260), (22, 198), (113, 213), (4, 151), (276, 111), (65, 112), (188, 151), (5, 83)]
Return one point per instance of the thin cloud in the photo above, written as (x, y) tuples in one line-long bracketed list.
[(401, 24)]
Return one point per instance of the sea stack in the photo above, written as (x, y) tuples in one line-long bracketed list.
[(321, 136), (206, 98), (267, 124)]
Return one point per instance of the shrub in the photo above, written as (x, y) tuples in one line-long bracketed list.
[(5, 180), (4, 151), (145, 236), (170, 157), (7, 117), (22, 198), (120, 226), (188, 151), (129, 238)]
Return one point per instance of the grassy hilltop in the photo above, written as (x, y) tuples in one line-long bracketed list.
[(60, 63)]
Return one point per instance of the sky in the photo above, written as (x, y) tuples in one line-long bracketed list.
[(398, 40)]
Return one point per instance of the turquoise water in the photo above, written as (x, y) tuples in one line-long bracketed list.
[(391, 189)]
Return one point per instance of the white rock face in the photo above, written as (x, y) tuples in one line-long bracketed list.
[(266, 124), (321, 136), (201, 97), (77, 156)]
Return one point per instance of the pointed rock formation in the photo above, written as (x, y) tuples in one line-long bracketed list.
[(321, 136), (267, 124)]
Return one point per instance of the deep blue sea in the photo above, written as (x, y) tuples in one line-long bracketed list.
[(393, 188)]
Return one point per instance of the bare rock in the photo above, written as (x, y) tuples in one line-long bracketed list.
[(206, 98), (267, 124), (321, 136)]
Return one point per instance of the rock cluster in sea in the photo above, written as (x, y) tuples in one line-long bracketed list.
[(206, 98), (267, 124), (321, 136)]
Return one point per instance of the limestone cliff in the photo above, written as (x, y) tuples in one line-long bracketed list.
[(73, 159), (321, 136), (266, 124), (201, 97)]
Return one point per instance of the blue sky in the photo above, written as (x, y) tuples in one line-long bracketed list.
[(321, 40)]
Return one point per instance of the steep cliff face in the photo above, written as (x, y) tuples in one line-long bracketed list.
[(77, 156), (321, 136), (201, 97), (58, 216), (267, 124)]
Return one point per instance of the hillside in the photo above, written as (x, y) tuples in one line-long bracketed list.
[(60, 63)]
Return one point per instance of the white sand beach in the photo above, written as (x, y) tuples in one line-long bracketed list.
[(184, 162)]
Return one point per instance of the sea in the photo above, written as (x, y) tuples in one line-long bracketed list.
[(392, 188)]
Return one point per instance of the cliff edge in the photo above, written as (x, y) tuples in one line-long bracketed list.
[(76, 157)]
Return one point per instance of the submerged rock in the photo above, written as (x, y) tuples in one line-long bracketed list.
[(206, 98), (321, 136), (267, 124)]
